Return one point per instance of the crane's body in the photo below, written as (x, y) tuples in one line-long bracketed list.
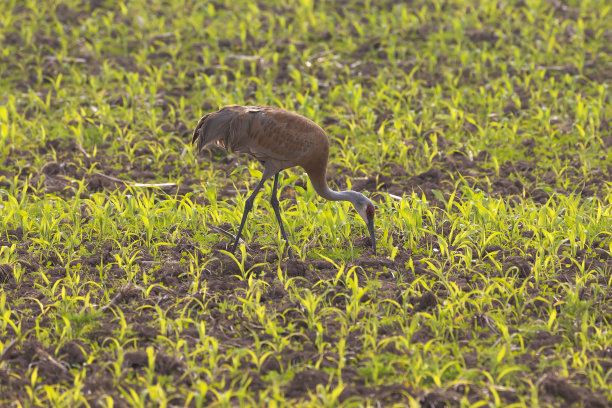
[(280, 139)]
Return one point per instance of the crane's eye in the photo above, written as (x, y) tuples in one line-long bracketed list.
[(370, 210)]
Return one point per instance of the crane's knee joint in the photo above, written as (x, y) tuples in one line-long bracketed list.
[(248, 204)]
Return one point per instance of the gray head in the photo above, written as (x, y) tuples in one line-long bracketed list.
[(366, 209)]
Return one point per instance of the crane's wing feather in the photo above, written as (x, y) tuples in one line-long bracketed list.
[(227, 128), (265, 133), (277, 135), (213, 128)]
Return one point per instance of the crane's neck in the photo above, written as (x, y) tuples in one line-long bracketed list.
[(362, 205), (319, 183), (331, 195)]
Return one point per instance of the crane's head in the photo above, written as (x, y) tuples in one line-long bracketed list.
[(366, 209)]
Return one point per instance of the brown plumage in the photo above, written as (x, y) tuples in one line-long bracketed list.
[(279, 139)]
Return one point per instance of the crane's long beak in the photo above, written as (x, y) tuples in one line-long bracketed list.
[(372, 236)]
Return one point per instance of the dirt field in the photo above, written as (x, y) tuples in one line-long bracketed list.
[(493, 281)]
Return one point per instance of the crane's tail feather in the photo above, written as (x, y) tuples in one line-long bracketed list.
[(197, 134), (223, 128), (213, 128)]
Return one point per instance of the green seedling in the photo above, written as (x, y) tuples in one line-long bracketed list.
[(486, 153)]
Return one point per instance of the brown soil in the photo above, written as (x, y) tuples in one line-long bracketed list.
[(223, 285), (66, 164)]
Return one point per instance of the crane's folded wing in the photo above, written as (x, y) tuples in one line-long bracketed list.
[(268, 134)]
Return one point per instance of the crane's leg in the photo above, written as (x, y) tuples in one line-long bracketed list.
[(274, 202), (248, 205)]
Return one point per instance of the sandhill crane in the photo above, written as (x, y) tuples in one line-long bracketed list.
[(279, 139)]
